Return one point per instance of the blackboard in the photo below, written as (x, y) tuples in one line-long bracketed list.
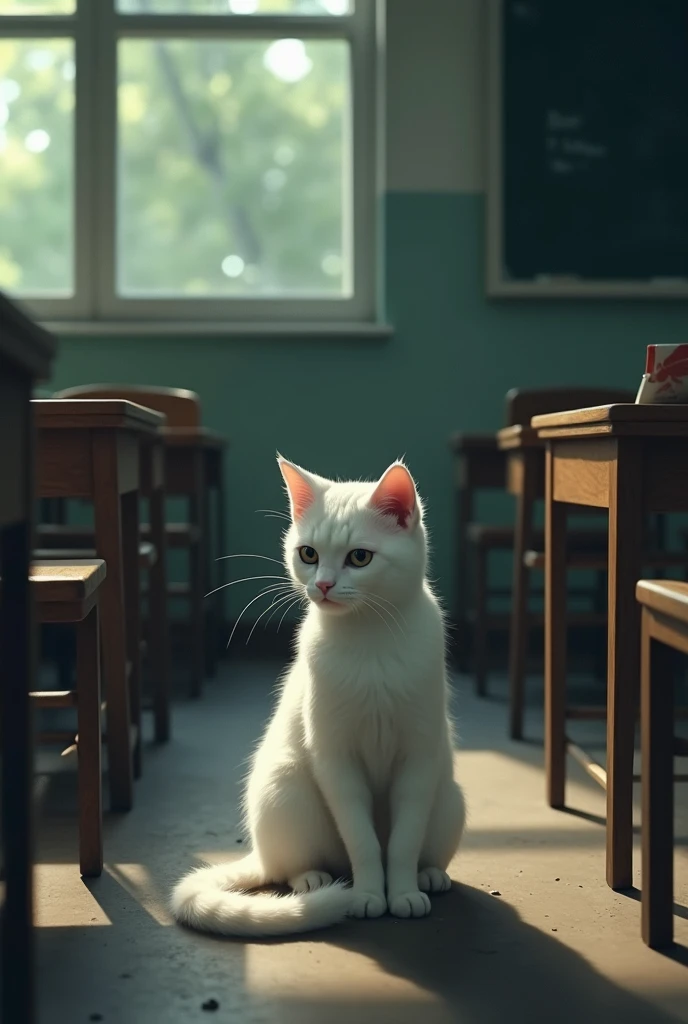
[(589, 155)]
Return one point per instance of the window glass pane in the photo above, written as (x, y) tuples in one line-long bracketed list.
[(234, 168), (36, 165), (290, 7), (37, 6)]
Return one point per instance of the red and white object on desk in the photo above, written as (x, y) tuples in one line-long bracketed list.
[(665, 380)]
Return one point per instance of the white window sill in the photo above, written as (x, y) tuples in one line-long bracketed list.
[(204, 329)]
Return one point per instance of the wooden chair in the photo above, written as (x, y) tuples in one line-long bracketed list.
[(183, 410), (53, 536), (587, 547), (664, 630), (67, 592), (480, 466)]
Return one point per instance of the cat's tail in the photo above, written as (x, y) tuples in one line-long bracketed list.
[(214, 899)]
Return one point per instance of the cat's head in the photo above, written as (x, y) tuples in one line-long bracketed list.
[(352, 545)]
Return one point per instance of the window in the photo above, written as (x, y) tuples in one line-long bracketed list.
[(188, 159)]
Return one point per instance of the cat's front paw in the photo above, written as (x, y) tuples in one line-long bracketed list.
[(409, 904), (367, 904), (433, 880)]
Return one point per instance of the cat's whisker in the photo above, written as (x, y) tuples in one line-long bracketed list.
[(277, 599), (386, 611), (372, 607), (376, 600), (266, 558), (391, 604), (274, 512), (246, 579), (263, 593), (276, 605), (289, 607), (369, 600)]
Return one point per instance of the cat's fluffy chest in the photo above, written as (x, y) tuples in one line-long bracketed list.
[(365, 715)]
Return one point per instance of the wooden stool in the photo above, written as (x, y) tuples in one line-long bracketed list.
[(182, 410), (54, 536), (664, 626), (68, 591)]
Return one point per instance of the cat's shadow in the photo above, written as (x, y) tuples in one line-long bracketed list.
[(482, 964)]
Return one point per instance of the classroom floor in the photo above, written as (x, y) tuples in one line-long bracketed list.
[(555, 946)]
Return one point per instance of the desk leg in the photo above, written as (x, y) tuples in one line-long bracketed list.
[(89, 746), (555, 642), (132, 602), (108, 525), (159, 628), (518, 640), (626, 534), (657, 728)]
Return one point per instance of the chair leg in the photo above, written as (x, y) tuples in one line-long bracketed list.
[(132, 589), (555, 644), (221, 511), (196, 576), (657, 720), (209, 583), (89, 746), (518, 638), (464, 514), (480, 631), (159, 630), (107, 507), (626, 530)]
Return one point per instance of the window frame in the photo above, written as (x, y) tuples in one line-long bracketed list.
[(96, 28)]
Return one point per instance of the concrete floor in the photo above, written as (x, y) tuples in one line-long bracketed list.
[(556, 946)]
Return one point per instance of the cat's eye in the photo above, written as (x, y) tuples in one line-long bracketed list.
[(359, 557), (308, 555)]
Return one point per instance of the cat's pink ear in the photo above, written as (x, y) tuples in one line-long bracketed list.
[(395, 495), (299, 485)]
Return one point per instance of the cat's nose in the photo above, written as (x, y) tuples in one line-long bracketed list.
[(323, 586)]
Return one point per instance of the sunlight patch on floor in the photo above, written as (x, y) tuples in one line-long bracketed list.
[(52, 910), (136, 880)]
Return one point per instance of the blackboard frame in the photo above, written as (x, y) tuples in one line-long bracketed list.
[(497, 285)]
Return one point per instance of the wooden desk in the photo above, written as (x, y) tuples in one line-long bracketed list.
[(90, 449), (631, 460), (26, 352), (194, 467)]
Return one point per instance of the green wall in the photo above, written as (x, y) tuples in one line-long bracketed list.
[(348, 408)]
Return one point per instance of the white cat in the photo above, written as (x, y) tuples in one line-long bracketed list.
[(355, 768)]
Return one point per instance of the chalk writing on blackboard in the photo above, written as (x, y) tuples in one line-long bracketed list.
[(593, 142)]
